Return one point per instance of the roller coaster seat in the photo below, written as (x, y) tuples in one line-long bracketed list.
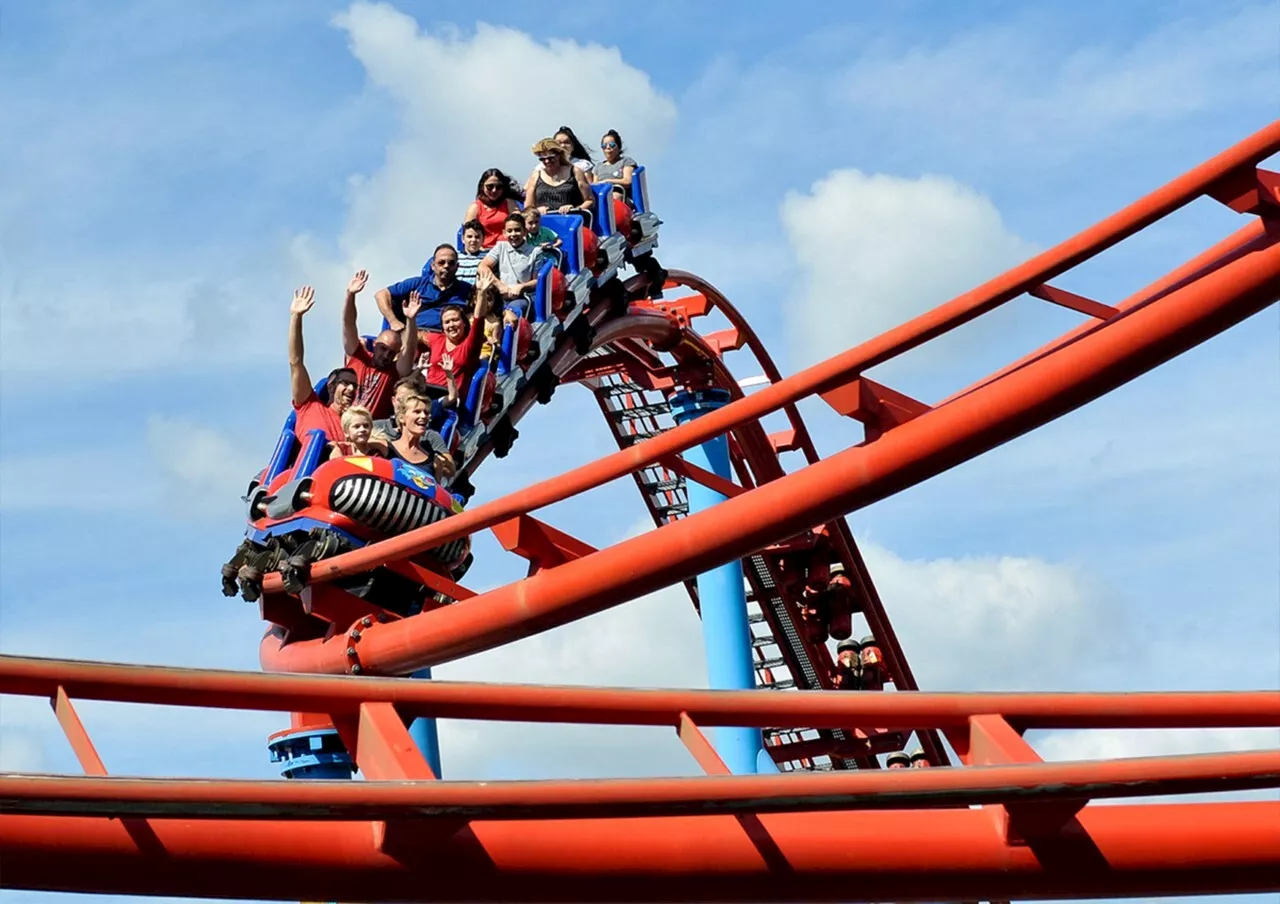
[(640, 190), (614, 217), (603, 224), (578, 244), (549, 295)]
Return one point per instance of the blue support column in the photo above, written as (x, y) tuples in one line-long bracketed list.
[(424, 734), (723, 599)]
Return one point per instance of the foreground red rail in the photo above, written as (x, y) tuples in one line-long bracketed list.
[(1006, 825)]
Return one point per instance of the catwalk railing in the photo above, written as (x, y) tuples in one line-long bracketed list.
[(1007, 824)]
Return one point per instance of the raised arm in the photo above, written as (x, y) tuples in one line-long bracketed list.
[(409, 341), (450, 381), (350, 332), (299, 379)]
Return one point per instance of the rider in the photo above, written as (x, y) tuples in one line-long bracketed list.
[(442, 287), (376, 369)]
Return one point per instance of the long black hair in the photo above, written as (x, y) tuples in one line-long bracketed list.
[(510, 190), (578, 152)]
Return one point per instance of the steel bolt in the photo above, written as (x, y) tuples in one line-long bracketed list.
[(351, 651), (366, 622), (355, 634), (355, 669)]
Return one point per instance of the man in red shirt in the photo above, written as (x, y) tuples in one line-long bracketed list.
[(313, 412), (375, 370)]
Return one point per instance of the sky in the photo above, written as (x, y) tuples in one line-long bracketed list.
[(173, 169)]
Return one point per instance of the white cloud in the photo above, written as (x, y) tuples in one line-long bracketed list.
[(204, 471), (875, 250), (987, 623)]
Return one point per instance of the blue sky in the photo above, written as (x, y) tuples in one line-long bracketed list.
[(179, 167)]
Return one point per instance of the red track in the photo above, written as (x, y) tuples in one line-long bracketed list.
[(402, 835)]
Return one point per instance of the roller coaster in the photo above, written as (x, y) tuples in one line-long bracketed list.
[(795, 737)]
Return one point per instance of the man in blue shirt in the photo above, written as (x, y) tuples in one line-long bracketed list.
[(441, 288)]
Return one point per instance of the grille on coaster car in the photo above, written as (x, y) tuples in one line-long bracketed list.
[(391, 509)]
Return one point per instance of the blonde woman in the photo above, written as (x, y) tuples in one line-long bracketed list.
[(413, 414), (556, 186)]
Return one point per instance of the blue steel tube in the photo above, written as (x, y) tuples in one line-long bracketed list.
[(721, 594), (424, 733)]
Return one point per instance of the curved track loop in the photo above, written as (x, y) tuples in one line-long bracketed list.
[(911, 443)]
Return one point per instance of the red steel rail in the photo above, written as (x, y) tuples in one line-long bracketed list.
[(1005, 825)]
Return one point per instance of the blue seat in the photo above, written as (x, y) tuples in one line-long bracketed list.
[(568, 228), (284, 450), (469, 414), (639, 190), (542, 293), (604, 224), (449, 427), (312, 454)]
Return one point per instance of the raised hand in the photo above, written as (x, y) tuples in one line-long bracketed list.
[(358, 282), (303, 299), (446, 363), (484, 279), (412, 306)]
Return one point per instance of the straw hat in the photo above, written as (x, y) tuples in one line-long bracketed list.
[(549, 146)]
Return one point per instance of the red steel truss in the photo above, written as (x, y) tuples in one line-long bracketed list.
[(1003, 824), (1008, 825)]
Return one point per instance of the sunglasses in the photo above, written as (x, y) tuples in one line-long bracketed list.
[(545, 157), (608, 144), (493, 185)]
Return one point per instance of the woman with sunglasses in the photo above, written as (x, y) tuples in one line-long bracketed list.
[(496, 199), (616, 168), (556, 186)]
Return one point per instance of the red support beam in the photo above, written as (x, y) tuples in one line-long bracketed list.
[(428, 578), (698, 745), (1073, 301), (722, 341), (690, 471), (79, 739), (543, 545), (876, 406), (1249, 190), (383, 748), (336, 606)]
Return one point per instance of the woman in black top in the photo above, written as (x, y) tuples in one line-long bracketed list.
[(556, 186)]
